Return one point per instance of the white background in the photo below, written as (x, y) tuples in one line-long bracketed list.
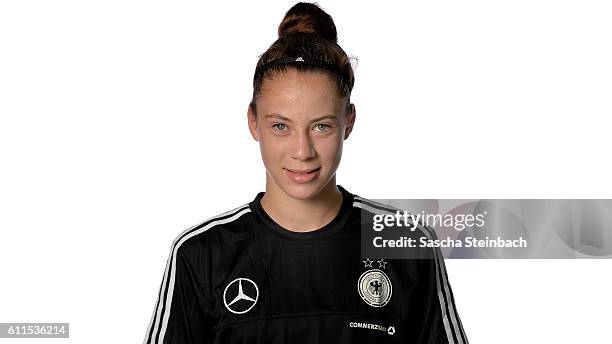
[(124, 123)]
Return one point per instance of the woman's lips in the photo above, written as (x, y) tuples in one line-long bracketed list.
[(303, 177)]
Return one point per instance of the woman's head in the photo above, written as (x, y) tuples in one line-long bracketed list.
[(301, 113)]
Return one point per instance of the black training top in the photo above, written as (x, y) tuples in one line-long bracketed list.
[(240, 277)]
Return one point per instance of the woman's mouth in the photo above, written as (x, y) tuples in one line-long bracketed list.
[(303, 176)]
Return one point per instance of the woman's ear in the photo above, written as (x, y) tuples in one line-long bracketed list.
[(350, 120), (252, 122)]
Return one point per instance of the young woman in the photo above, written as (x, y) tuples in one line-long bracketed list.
[(286, 267)]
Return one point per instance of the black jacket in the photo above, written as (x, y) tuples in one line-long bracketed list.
[(239, 277)]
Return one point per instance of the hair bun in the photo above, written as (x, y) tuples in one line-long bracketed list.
[(306, 17)]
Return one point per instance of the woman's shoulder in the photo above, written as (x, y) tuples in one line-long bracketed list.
[(207, 232), (370, 205)]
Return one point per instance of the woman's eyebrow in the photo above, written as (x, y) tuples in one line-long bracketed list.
[(275, 115), (332, 117)]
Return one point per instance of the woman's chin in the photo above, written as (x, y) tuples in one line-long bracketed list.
[(301, 191)]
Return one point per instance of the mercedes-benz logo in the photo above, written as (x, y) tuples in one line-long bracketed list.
[(240, 295)]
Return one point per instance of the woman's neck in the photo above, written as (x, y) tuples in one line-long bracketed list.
[(302, 215)]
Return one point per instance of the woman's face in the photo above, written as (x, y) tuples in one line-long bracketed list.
[(300, 125)]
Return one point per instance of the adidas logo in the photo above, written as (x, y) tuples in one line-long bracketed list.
[(299, 59)]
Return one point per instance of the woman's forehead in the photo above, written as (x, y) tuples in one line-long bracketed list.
[(299, 94)]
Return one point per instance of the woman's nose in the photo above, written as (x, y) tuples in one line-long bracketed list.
[(303, 147)]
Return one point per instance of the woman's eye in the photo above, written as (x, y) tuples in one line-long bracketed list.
[(322, 126), (279, 126)]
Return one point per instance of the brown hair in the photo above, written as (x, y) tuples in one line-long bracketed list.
[(309, 32)]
